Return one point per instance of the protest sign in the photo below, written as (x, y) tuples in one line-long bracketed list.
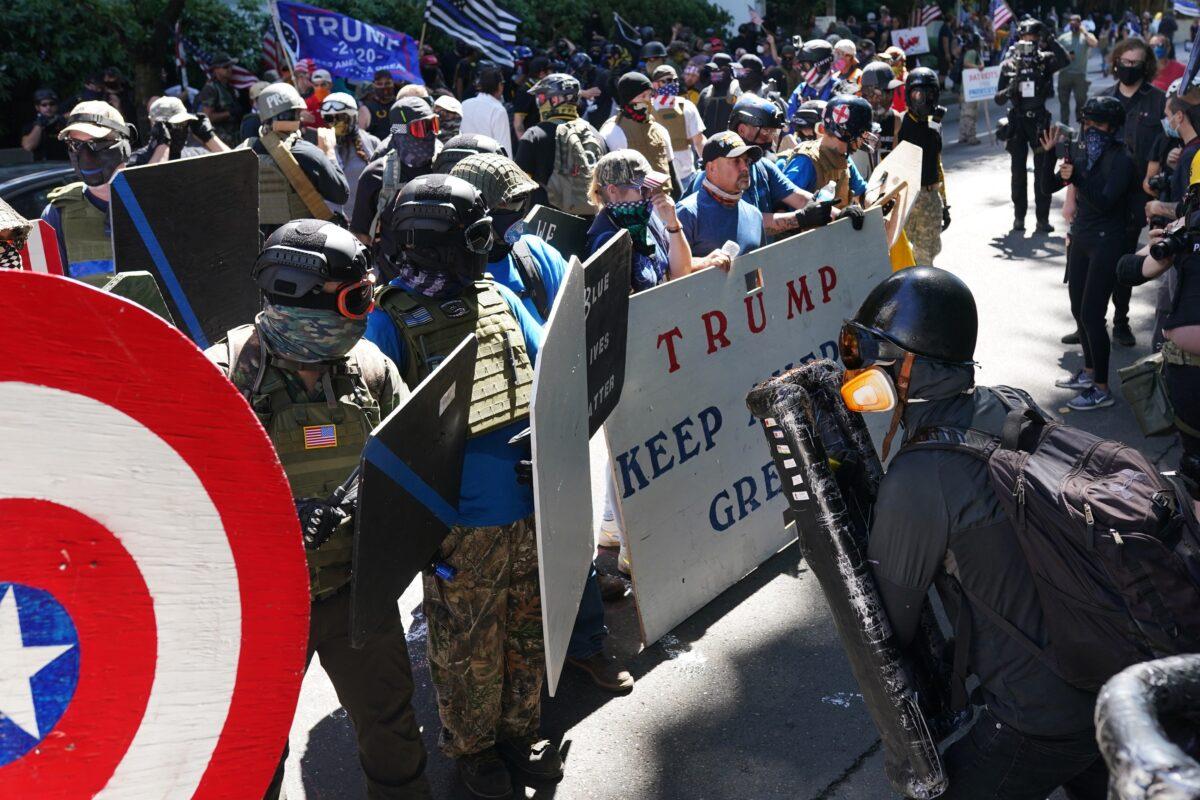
[(980, 84), (913, 41), (567, 232), (701, 503), (40, 253), (606, 308), (347, 47)]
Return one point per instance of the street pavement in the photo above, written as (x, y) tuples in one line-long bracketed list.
[(752, 696)]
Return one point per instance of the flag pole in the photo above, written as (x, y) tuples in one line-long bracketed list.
[(280, 42)]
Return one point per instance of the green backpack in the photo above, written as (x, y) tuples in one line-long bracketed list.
[(577, 149)]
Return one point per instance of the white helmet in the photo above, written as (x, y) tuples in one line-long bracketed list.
[(339, 103)]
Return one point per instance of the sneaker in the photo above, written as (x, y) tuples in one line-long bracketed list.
[(612, 588), (605, 671), (1079, 381), (485, 775), (610, 532), (1018, 225), (1071, 338), (1122, 334), (624, 566), (1090, 400), (537, 760), (1044, 226)]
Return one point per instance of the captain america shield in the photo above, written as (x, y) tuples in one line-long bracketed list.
[(153, 591)]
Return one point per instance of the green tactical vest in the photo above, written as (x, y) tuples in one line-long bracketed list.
[(827, 170), (648, 138), (433, 328), (315, 462), (676, 124), (278, 202), (83, 228)]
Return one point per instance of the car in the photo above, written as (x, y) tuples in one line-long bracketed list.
[(25, 186)]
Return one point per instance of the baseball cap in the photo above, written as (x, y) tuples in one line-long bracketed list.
[(169, 110), (664, 72), (305, 65), (845, 46), (622, 168), (448, 103), (97, 119), (322, 75), (728, 144), (222, 60)]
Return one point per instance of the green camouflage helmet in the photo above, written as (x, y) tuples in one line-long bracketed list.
[(497, 178)]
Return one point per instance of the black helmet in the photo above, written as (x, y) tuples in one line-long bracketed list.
[(653, 50), (581, 64), (750, 109), (808, 114), (751, 63), (926, 311), (846, 117), (554, 90), (438, 223), (1031, 26), (815, 51), (463, 145), (924, 82), (878, 75), (301, 255), (1105, 109)]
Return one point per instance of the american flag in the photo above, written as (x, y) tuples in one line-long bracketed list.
[(318, 436), (242, 78), (272, 53), (1001, 14), (925, 15), (480, 23)]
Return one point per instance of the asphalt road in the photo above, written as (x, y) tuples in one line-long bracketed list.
[(752, 697)]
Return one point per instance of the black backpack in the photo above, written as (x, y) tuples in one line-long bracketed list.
[(1113, 546)]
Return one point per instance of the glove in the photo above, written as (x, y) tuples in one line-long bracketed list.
[(159, 134), (945, 217), (318, 521), (814, 215), (524, 470), (939, 112), (202, 127), (856, 215)]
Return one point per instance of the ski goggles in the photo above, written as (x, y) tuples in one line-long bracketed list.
[(860, 347), (425, 128), (356, 300), (330, 107)]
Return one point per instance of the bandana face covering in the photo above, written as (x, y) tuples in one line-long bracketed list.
[(636, 112), (668, 89), (308, 335), (1096, 141), (634, 216), (413, 152)]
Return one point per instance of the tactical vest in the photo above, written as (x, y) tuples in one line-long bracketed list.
[(673, 120), (433, 328), (278, 202), (315, 461), (84, 230), (827, 170), (648, 138)]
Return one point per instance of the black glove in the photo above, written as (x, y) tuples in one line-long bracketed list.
[(945, 217), (814, 215), (159, 134), (202, 127), (318, 521), (856, 215), (939, 112), (45, 120), (524, 470)]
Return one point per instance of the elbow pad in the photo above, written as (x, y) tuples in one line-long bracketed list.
[(1129, 270)]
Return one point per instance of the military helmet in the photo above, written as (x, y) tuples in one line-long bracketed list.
[(463, 145), (581, 63), (922, 78), (653, 50), (750, 109), (439, 223), (878, 75), (497, 178), (554, 90), (815, 51), (301, 255), (276, 99), (1105, 109), (808, 114), (846, 117), (926, 311), (722, 60)]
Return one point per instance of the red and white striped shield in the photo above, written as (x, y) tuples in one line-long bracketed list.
[(41, 253)]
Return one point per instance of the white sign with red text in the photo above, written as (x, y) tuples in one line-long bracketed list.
[(913, 41), (701, 501)]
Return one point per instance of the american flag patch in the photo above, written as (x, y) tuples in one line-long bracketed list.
[(420, 316), (318, 436)]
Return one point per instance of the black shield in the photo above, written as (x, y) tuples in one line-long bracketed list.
[(567, 232), (408, 496), (193, 225), (606, 306), (141, 288)]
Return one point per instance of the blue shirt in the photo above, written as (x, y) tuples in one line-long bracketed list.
[(490, 493), (803, 93), (800, 171), (550, 265), (769, 187), (707, 224), (81, 269), (646, 271)]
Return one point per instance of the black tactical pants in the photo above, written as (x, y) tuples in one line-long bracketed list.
[(375, 686), (1018, 147)]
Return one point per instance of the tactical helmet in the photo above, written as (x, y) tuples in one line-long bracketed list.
[(808, 114), (921, 90), (463, 145), (339, 103), (926, 311), (722, 60), (751, 63), (554, 90), (750, 109), (1027, 27), (814, 51), (581, 64), (1104, 109), (653, 50), (497, 178), (846, 117), (439, 223), (301, 255), (922, 78), (878, 75), (276, 99)]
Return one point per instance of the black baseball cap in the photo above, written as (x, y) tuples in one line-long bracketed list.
[(728, 144)]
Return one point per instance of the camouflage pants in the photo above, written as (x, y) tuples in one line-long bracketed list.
[(967, 119), (485, 637), (924, 226)]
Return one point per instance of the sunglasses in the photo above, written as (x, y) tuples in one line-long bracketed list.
[(356, 300), (860, 348), (287, 116), (96, 146)]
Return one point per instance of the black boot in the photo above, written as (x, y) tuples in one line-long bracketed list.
[(1044, 226), (1122, 334), (1018, 225), (485, 775), (537, 760)]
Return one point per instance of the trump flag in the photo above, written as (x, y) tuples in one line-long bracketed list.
[(347, 47)]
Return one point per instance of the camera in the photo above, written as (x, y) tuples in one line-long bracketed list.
[(1160, 183), (1174, 244)]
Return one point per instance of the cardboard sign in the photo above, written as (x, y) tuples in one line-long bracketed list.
[(896, 178), (151, 647), (701, 502), (606, 307), (41, 253), (562, 483), (822, 23), (201, 258), (141, 288), (567, 232), (980, 84), (913, 41), (411, 473)]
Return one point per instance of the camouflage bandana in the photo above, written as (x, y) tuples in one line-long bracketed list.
[(431, 283), (308, 335)]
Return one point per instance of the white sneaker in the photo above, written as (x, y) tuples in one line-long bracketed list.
[(623, 565), (610, 532)]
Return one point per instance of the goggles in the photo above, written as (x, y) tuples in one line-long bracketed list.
[(425, 128), (97, 146), (336, 107), (356, 300), (860, 348)]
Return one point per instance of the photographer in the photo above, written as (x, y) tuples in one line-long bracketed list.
[(1102, 173), (1027, 81), (175, 133)]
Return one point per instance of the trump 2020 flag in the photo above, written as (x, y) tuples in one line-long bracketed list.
[(347, 47)]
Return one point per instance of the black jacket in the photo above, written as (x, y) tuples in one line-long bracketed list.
[(1105, 194), (1143, 121)]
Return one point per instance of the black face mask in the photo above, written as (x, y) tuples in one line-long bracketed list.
[(751, 81), (1129, 75), (97, 168)]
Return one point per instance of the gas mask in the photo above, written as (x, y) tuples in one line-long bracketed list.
[(869, 390), (97, 160)]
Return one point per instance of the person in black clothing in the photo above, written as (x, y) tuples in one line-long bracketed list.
[(40, 136), (937, 522), (716, 102), (1027, 81), (1103, 175), (524, 108), (375, 105)]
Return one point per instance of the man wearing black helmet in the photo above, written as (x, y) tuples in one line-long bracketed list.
[(304, 363), (561, 151), (485, 623), (937, 522), (1027, 81), (922, 126), (750, 75), (814, 164), (802, 126), (815, 58), (717, 99), (652, 56)]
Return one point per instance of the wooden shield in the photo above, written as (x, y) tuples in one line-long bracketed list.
[(567, 232), (894, 185)]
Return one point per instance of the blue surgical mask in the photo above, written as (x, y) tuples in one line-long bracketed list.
[(1160, 51), (1170, 131)]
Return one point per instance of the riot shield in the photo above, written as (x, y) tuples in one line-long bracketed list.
[(141, 288), (41, 253), (825, 458), (193, 225), (410, 476), (606, 311), (567, 232), (895, 184)]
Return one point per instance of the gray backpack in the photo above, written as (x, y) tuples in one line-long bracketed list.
[(577, 148)]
